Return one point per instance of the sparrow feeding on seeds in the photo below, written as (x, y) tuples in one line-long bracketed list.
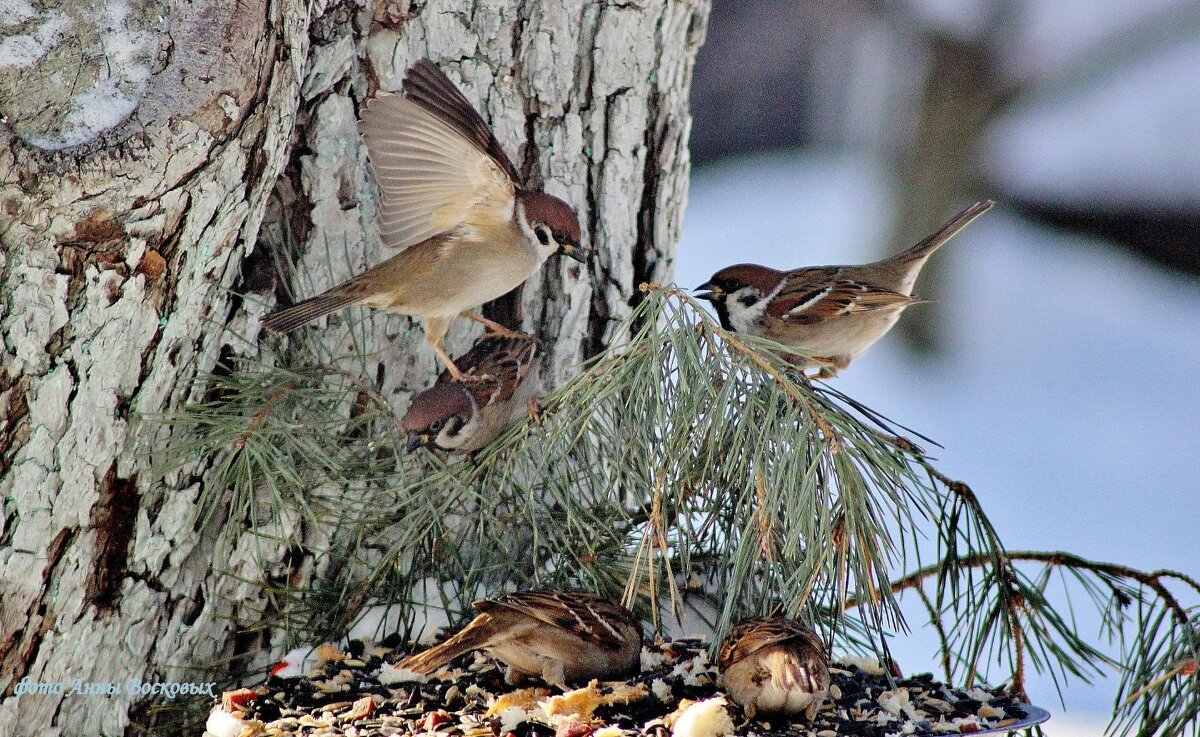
[(559, 636), (463, 417), (830, 314), (450, 199), (774, 665)]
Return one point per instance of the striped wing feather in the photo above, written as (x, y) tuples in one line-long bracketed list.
[(432, 180), (815, 300), (752, 635), (507, 358), (430, 88), (588, 617)]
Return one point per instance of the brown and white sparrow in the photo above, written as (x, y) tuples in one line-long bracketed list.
[(450, 199), (460, 417), (560, 636), (830, 314), (775, 665)]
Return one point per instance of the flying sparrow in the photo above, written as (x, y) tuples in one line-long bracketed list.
[(463, 417), (774, 665), (560, 636), (830, 314), (450, 199)]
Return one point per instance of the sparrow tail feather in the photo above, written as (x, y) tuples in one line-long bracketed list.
[(926, 247), (473, 637), (287, 320)]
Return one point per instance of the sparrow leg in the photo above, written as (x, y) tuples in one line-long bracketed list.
[(802, 363), (450, 366), (811, 710), (512, 676), (435, 330), (456, 373), (829, 366), (493, 327), (552, 673)]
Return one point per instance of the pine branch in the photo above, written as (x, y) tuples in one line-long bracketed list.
[(531, 458), (681, 454), (1069, 560), (1157, 667)]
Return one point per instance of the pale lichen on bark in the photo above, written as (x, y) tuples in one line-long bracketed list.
[(121, 258)]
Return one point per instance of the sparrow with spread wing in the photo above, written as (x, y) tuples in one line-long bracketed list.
[(774, 665), (460, 417), (563, 637), (450, 200), (830, 314)]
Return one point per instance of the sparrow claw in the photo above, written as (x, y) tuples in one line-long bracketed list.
[(476, 378), (463, 378), (506, 333), (535, 411), (829, 367)]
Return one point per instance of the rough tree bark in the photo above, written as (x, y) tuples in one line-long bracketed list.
[(152, 157)]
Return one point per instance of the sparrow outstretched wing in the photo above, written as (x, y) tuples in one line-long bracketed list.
[(438, 165)]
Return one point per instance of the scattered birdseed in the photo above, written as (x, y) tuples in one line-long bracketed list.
[(366, 696)]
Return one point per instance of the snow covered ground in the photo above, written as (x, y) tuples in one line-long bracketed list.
[(1065, 393)]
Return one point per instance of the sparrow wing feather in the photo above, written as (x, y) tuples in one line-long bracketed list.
[(430, 88), (586, 616), (802, 288), (806, 301), (508, 358), (752, 635), (431, 179)]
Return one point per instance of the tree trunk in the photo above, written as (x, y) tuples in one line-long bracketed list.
[(959, 98), (154, 162)]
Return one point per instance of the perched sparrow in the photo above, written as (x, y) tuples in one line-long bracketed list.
[(775, 665), (450, 199), (464, 417), (831, 314), (558, 635)]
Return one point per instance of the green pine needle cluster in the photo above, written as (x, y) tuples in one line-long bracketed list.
[(684, 464)]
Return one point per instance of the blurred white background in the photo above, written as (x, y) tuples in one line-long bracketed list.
[(1059, 364)]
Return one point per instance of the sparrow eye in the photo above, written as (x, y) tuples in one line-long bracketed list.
[(543, 234), (435, 426)]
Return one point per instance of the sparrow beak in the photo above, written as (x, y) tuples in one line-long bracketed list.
[(416, 440), (575, 251), (708, 291)]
